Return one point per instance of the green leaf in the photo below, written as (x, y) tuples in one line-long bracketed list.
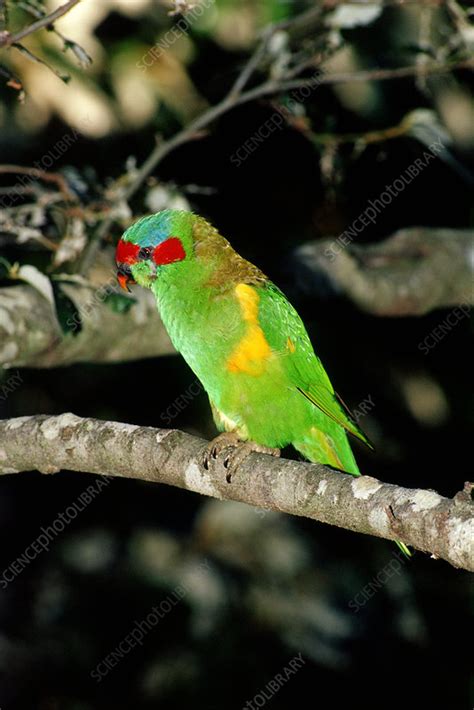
[(119, 303), (5, 268), (68, 314)]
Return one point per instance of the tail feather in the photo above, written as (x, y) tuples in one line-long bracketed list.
[(406, 551), (334, 450), (331, 449)]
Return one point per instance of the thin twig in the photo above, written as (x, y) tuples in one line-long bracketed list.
[(7, 39), (460, 20), (233, 99), (304, 20), (380, 74), (272, 87), (251, 65), (43, 175), (425, 19), (387, 3)]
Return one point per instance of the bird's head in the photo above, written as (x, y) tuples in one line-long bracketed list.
[(161, 241)]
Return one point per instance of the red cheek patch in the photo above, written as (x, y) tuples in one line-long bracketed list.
[(127, 253), (169, 251)]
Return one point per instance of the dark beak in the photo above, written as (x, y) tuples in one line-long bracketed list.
[(124, 276)]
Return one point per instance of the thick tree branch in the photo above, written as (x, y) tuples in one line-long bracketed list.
[(411, 273), (30, 334), (421, 518)]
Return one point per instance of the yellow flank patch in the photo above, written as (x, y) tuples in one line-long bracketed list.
[(250, 354), (290, 345), (248, 299)]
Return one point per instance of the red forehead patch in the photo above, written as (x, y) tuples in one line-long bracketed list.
[(169, 251), (127, 252)]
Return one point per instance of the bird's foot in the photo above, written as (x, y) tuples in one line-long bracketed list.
[(236, 457), (215, 447), (239, 450)]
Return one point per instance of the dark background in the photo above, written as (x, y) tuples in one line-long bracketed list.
[(261, 588)]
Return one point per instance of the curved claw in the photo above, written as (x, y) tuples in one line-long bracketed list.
[(238, 453), (217, 445)]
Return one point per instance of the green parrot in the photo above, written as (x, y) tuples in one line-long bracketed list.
[(242, 338)]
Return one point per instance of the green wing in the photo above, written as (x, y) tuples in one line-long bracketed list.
[(286, 334)]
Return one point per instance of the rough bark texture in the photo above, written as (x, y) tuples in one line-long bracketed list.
[(421, 518), (411, 273), (30, 334)]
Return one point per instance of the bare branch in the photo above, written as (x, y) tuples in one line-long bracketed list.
[(30, 334), (411, 273), (273, 86), (7, 39), (236, 96), (37, 174), (252, 64), (397, 72), (422, 518)]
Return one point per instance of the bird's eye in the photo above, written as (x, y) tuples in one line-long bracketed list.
[(145, 253)]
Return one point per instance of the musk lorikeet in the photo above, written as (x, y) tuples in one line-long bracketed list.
[(241, 337)]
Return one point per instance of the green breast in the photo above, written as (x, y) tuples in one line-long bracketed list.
[(203, 328)]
